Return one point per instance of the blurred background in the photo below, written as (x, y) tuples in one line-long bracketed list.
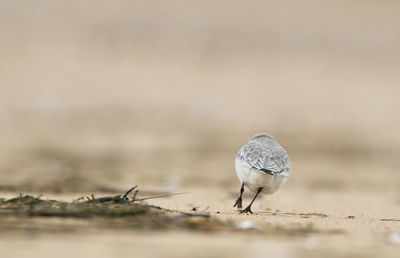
[(103, 95)]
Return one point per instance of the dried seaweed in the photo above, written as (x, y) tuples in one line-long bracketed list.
[(128, 213)]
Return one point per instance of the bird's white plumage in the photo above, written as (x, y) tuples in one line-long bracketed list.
[(262, 163)]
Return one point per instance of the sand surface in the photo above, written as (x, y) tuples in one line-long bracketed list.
[(291, 223)]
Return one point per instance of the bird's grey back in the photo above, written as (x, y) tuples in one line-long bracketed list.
[(263, 152), (261, 136)]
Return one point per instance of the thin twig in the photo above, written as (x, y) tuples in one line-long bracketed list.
[(397, 220), (160, 196), (78, 199), (128, 192), (134, 196), (94, 199)]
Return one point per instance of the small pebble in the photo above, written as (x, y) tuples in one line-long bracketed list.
[(245, 225)]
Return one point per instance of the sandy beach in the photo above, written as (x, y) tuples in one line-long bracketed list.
[(98, 97)]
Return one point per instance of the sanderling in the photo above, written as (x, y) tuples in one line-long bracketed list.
[(262, 165)]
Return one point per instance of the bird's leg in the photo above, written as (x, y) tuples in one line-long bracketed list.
[(238, 202), (248, 208)]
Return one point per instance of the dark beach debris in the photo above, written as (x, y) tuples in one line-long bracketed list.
[(111, 199), (122, 211), (124, 199), (23, 199), (393, 220), (31, 206), (301, 215), (314, 214), (107, 206)]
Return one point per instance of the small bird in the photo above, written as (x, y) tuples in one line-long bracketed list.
[(262, 165)]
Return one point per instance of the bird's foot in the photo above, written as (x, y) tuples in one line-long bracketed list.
[(247, 210), (238, 203)]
